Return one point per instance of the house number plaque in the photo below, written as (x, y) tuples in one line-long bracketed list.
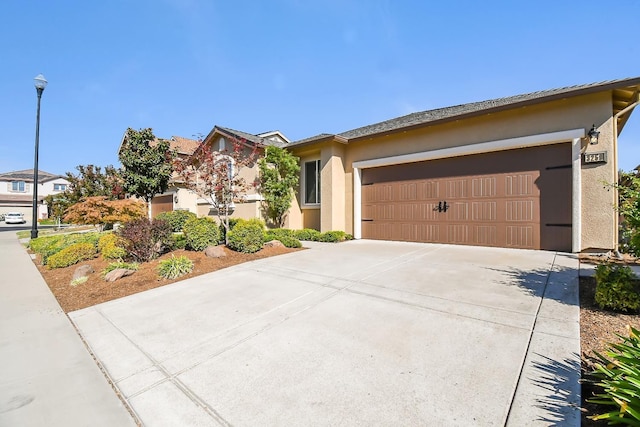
[(595, 157)]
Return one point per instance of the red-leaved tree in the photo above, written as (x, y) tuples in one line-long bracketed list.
[(216, 175)]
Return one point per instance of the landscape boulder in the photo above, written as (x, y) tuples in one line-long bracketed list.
[(118, 273), (82, 271), (215, 251), (274, 244)]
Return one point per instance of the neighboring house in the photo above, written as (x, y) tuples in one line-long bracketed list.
[(220, 138), (16, 191), (517, 172)]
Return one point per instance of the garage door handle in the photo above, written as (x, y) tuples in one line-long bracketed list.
[(442, 207)]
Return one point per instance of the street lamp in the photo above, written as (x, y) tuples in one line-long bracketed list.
[(40, 83)]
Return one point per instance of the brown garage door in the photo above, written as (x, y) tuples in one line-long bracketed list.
[(161, 204), (517, 198)]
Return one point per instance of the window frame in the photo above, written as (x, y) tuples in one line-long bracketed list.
[(318, 183), (15, 187), (59, 187)]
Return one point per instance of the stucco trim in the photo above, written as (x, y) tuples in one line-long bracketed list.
[(574, 135), (576, 202)]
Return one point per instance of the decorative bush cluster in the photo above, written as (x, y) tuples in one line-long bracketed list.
[(179, 241), (111, 246), (247, 236), (200, 233), (616, 288), (49, 245), (175, 267), (72, 255), (116, 265), (284, 235), (308, 234), (619, 375), (176, 219), (146, 240)]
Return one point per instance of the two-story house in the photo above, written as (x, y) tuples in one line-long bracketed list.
[(16, 191)]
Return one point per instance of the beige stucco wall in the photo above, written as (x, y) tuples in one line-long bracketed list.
[(598, 200)]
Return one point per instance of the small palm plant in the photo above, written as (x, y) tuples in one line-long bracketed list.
[(619, 375), (175, 267)]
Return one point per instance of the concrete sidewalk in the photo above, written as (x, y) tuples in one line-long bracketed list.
[(48, 377), (357, 333)]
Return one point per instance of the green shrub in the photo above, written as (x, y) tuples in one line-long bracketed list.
[(619, 376), (284, 236), (79, 280), (247, 236), (290, 242), (175, 267), (223, 231), (115, 265), (48, 245), (179, 241), (176, 219), (616, 288), (334, 236), (72, 255), (200, 233), (308, 234), (145, 240), (111, 246)]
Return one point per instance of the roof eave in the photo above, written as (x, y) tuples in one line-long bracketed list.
[(519, 104)]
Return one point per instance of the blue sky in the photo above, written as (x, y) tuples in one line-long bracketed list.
[(303, 67)]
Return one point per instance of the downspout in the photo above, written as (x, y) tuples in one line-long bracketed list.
[(615, 163)]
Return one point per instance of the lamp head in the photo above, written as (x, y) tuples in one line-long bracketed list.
[(40, 82)]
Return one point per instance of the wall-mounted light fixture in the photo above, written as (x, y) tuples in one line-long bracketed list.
[(593, 135)]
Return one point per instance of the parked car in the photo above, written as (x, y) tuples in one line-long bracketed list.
[(14, 218), (1, 217)]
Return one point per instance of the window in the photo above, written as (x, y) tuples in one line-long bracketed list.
[(18, 186), (222, 145), (312, 182), (59, 187)]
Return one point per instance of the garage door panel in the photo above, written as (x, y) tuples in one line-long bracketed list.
[(517, 198)]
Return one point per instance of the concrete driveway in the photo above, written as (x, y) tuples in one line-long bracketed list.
[(357, 333)]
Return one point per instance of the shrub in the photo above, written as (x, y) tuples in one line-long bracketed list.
[(176, 218), (175, 267), (200, 233), (111, 246), (72, 255), (79, 280), (247, 236), (619, 376), (116, 265), (616, 288), (308, 234), (289, 242), (284, 236), (334, 236), (48, 245), (145, 240), (179, 241)]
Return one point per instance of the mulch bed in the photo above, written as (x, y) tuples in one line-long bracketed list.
[(597, 329), (96, 290)]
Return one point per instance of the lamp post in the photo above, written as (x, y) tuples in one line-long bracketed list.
[(40, 83)]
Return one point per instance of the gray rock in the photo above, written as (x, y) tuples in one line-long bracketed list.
[(118, 273), (274, 244), (82, 271), (215, 252)]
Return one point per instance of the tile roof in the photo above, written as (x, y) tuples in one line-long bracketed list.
[(256, 139), (184, 145), (27, 175), (474, 108)]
